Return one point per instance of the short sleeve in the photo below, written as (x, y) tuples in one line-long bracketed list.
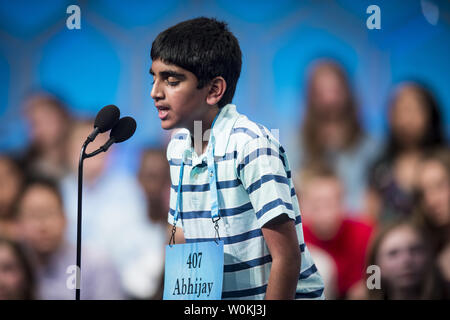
[(261, 169)]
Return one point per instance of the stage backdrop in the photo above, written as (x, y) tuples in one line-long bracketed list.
[(107, 60)]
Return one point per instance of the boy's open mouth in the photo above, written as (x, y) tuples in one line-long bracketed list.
[(162, 111)]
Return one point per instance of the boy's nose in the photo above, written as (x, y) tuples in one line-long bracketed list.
[(156, 93)]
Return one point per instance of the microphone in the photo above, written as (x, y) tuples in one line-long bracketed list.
[(122, 131), (106, 119)]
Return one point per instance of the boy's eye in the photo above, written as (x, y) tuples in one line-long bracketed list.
[(172, 81)]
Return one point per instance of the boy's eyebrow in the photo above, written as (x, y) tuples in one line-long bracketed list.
[(171, 73), (168, 73)]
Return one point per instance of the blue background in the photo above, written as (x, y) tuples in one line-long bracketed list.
[(107, 61)]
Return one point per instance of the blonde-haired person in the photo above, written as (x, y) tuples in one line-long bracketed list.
[(332, 133)]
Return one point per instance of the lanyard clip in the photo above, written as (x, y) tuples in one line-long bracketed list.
[(215, 219), (172, 237), (216, 228)]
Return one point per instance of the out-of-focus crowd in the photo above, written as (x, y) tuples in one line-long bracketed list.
[(124, 216), (376, 214)]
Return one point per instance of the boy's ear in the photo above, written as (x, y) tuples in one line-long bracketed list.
[(217, 88)]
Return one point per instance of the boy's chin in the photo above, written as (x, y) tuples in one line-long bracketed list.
[(168, 125)]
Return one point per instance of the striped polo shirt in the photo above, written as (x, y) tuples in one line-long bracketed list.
[(254, 186)]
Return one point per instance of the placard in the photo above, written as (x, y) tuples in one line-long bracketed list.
[(194, 271)]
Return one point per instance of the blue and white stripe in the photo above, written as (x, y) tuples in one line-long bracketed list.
[(254, 186)]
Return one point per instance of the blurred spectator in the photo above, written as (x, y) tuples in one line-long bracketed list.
[(326, 226), (48, 121), (42, 222), (415, 128), (114, 213), (331, 132), (407, 270), (433, 204), (154, 177), (16, 276), (11, 177)]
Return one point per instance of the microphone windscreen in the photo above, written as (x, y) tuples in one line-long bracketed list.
[(123, 130), (106, 118)]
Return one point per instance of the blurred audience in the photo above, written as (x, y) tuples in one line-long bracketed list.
[(154, 177), (348, 185), (48, 121), (407, 270), (327, 226), (114, 213), (414, 128), (16, 273), (331, 132), (11, 178), (42, 223), (432, 213)]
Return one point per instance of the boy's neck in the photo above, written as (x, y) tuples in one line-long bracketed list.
[(200, 131)]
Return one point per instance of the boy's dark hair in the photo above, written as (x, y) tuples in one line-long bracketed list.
[(205, 47)]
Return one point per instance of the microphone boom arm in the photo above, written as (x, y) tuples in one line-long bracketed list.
[(103, 148), (94, 153)]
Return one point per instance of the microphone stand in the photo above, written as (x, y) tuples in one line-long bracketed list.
[(83, 156), (79, 218)]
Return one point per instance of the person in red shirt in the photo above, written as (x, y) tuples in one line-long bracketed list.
[(327, 225)]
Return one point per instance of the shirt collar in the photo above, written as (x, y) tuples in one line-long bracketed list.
[(222, 128), (221, 131)]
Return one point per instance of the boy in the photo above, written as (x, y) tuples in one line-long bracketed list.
[(196, 66)]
